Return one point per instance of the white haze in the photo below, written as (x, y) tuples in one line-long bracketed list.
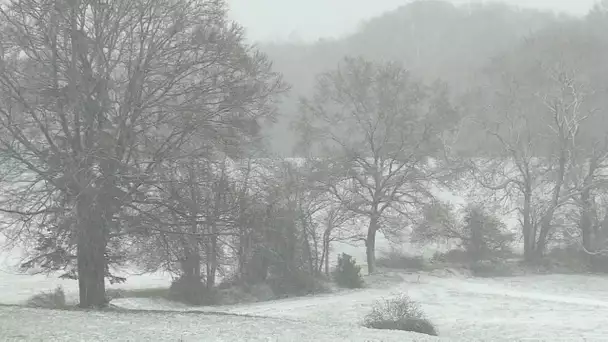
[(309, 20)]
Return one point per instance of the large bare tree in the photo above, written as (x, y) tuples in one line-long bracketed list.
[(381, 135), (96, 94)]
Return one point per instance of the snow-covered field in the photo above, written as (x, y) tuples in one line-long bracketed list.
[(534, 308)]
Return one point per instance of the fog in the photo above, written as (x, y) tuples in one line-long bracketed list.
[(280, 20)]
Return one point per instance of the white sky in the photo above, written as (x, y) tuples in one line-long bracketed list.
[(313, 19)]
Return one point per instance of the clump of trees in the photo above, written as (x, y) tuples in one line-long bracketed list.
[(480, 235), (97, 100), (546, 148)]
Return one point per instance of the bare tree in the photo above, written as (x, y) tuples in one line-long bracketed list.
[(333, 220), (380, 134), (96, 94), (534, 106)]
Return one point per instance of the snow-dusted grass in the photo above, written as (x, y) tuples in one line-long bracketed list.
[(16, 288), (549, 308), (121, 326), (538, 308)]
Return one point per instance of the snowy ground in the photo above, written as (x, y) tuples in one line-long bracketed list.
[(534, 308), (116, 326)]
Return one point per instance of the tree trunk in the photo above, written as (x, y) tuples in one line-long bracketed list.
[(244, 249), (326, 245), (191, 265), (587, 231), (370, 244), (242, 253), (91, 259), (212, 263), (529, 233), (585, 221), (327, 260), (306, 245), (541, 245)]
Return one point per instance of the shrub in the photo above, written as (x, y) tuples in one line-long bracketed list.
[(48, 300), (480, 234), (397, 260), (488, 269), (485, 236), (295, 283), (261, 292), (453, 256), (348, 274), (192, 291), (399, 313), (233, 295)]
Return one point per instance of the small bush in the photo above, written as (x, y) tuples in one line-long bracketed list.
[(48, 300), (192, 291), (399, 313), (348, 274), (397, 260)]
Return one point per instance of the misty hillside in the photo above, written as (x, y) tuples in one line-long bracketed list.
[(434, 40)]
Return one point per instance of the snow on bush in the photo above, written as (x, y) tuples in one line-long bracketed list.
[(399, 313)]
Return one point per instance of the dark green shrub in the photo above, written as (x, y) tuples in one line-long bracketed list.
[(192, 291), (397, 260), (348, 274), (296, 283), (419, 325), (399, 313), (261, 292), (486, 235), (489, 269)]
